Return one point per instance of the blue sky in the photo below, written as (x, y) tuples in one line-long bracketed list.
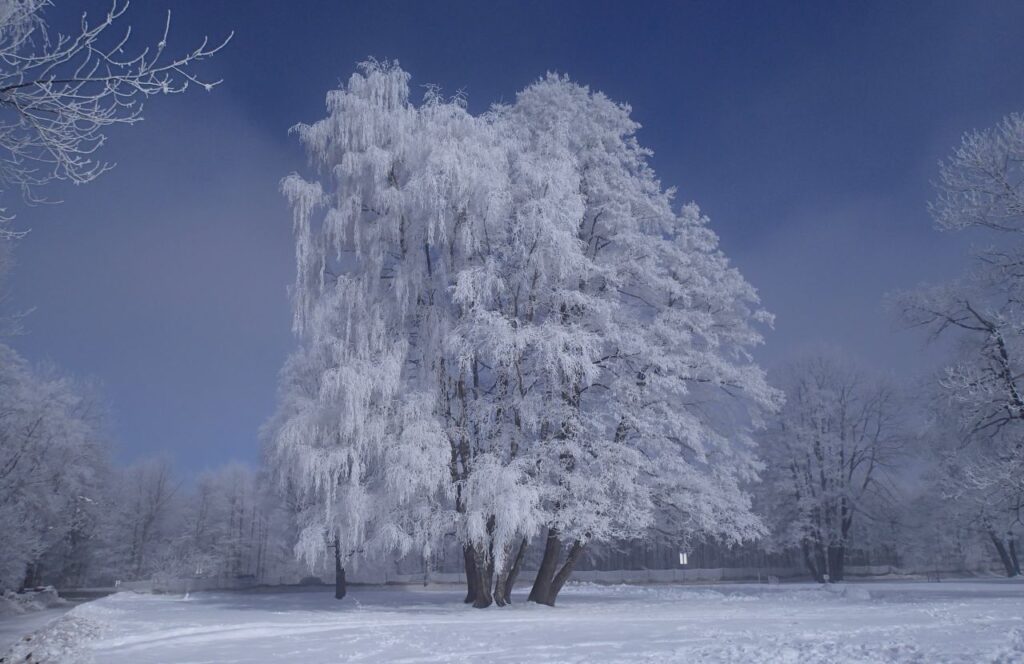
[(809, 132)]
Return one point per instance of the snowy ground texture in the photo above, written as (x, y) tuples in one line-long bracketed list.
[(963, 621)]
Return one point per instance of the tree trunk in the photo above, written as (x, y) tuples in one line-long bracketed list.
[(836, 556), (814, 569), (1013, 554), (340, 586), (546, 574), (563, 574), (551, 578), (484, 562), (517, 566), (1003, 555), (501, 580), (472, 579), (506, 576), (31, 579)]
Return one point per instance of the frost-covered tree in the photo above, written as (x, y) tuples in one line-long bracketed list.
[(233, 527), (656, 326), (974, 490), (356, 434), (52, 465), (508, 308), (145, 519), (151, 524), (990, 492), (60, 92), (981, 187), (828, 453)]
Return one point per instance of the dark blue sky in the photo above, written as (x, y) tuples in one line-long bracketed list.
[(809, 132)]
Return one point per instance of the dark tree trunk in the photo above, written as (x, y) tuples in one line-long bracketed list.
[(1013, 554), (485, 578), (506, 576), (517, 566), (1004, 556), (32, 575), (484, 560), (546, 574), (501, 579), (472, 578), (814, 569), (340, 586), (836, 556), (499, 585), (551, 578), (563, 574), (821, 561)]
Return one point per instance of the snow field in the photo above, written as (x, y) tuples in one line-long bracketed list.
[(970, 621)]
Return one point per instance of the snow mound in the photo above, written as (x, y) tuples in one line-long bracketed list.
[(13, 604), (62, 641)]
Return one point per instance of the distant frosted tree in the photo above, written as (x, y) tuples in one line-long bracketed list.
[(828, 453), (232, 527), (978, 483), (145, 521), (52, 464), (974, 489)]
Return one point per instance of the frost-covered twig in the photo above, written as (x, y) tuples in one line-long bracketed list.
[(59, 93)]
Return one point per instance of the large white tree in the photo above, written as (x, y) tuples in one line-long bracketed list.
[(654, 423), (355, 436), (508, 307)]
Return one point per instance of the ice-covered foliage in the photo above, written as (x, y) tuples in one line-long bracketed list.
[(60, 92), (574, 348), (981, 188), (356, 438), (144, 520), (51, 468), (966, 511)]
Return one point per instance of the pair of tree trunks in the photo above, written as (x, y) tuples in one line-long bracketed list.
[(484, 588), (551, 577), (507, 578)]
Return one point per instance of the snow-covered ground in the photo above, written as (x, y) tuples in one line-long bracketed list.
[(24, 613), (962, 621), (14, 627)]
